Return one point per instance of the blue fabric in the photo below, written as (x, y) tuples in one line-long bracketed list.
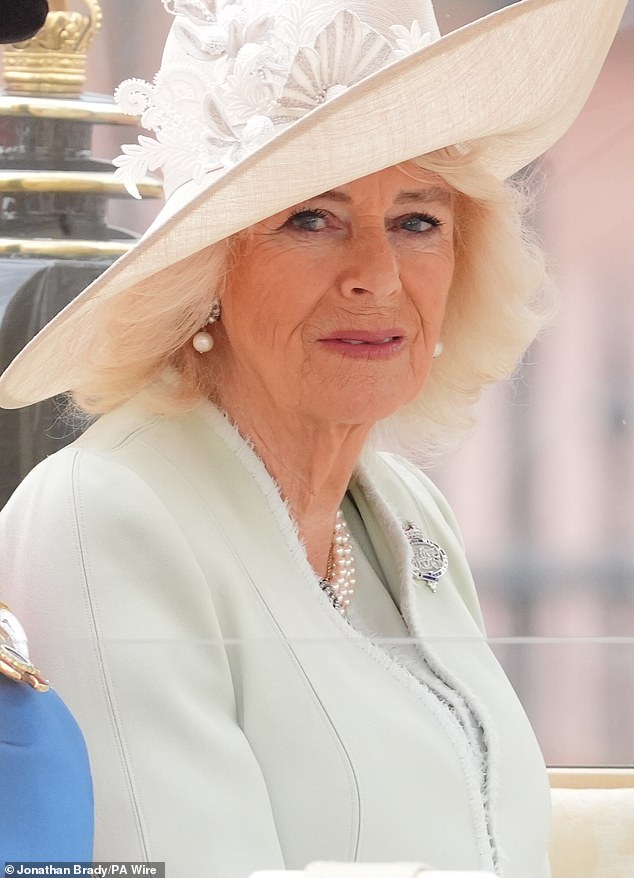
[(46, 806)]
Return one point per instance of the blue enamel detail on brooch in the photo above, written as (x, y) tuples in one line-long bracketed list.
[(429, 560)]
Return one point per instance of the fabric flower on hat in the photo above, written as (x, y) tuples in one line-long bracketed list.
[(174, 107), (254, 82), (237, 77), (411, 40), (188, 156), (202, 43), (225, 34), (230, 143), (344, 53), (198, 10), (299, 21)]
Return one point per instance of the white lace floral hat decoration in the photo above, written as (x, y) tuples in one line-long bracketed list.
[(260, 104), (236, 74)]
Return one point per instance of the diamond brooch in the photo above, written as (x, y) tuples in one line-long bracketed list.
[(429, 560)]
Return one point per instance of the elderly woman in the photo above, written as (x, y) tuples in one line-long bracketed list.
[(264, 624)]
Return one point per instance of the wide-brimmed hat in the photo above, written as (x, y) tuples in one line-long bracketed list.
[(260, 104)]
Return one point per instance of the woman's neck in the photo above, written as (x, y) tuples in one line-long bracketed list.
[(311, 462)]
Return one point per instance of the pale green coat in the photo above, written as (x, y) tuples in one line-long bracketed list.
[(235, 721)]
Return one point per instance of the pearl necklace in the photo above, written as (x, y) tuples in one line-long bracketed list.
[(340, 581)]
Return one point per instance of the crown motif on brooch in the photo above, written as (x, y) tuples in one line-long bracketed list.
[(429, 560), (53, 62), (234, 78)]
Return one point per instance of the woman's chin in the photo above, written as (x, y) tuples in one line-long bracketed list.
[(358, 409), (365, 398)]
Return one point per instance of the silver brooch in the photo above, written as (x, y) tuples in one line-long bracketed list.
[(429, 561)]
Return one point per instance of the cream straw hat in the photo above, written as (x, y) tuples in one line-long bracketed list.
[(260, 104)]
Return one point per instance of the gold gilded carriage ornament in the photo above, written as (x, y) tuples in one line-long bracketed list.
[(429, 560), (14, 653)]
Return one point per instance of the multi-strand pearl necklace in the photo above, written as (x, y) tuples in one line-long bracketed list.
[(340, 581)]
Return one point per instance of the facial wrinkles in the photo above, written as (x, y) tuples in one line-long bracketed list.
[(363, 316), (364, 238), (284, 302)]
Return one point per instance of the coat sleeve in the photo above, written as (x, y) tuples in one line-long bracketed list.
[(120, 618), (46, 793)]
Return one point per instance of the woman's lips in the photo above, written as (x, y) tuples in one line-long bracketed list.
[(380, 344)]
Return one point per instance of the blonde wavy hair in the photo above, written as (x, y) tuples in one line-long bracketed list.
[(499, 299)]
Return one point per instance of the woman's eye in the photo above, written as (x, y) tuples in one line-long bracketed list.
[(308, 220), (417, 222)]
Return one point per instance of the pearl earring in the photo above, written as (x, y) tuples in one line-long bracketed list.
[(438, 349), (203, 341)]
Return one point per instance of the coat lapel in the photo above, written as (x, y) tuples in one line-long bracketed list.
[(387, 503)]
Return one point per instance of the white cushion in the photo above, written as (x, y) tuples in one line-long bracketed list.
[(592, 833)]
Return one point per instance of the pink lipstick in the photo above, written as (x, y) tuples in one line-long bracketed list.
[(364, 344)]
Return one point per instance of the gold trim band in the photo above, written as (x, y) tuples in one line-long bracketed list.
[(66, 248), (97, 112), (95, 182)]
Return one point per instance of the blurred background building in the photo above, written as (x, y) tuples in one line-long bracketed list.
[(544, 487)]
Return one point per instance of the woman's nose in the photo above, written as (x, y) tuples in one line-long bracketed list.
[(371, 266)]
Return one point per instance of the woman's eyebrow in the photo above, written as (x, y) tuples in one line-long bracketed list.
[(436, 194), (333, 195)]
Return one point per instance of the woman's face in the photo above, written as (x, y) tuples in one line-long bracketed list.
[(335, 305)]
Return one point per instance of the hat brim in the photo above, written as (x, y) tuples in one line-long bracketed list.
[(513, 81)]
